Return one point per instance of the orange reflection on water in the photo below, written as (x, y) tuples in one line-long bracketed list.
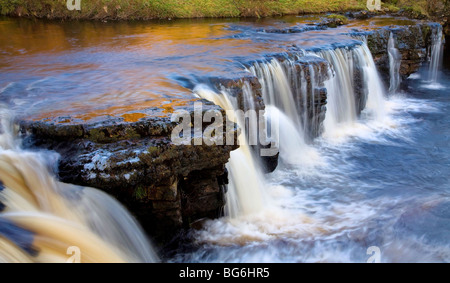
[(130, 113), (133, 117)]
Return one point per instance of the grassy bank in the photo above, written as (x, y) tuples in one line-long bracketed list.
[(421, 8), (163, 9), (438, 10)]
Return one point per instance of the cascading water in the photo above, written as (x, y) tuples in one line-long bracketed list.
[(394, 65), (246, 192), (341, 107), (286, 95), (376, 102), (276, 87), (342, 112), (436, 54), (43, 220)]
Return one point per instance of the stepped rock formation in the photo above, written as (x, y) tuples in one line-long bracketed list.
[(170, 186), (413, 43), (163, 184)]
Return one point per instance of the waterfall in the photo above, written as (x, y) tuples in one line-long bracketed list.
[(287, 95), (290, 98), (394, 65), (436, 56), (376, 102), (246, 192), (43, 220), (276, 87), (355, 86), (341, 106)]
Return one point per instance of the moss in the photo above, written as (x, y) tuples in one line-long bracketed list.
[(391, 7), (338, 17), (140, 193), (163, 9), (153, 150), (130, 133), (414, 8), (341, 19), (97, 135)]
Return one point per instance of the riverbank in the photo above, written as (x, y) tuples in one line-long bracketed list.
[(165, 9), (106, 10)]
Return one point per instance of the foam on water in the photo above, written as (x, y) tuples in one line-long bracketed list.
[(59, 216)]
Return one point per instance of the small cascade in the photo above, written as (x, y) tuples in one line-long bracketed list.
[(375, 106), (43, 220), (394, 65), (288, 89), (355, 88), (289, 92), (246, 191), (276, 87), (436, 54), (341, 106), (291, 84)]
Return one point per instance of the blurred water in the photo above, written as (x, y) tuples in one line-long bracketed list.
[(385, 185)]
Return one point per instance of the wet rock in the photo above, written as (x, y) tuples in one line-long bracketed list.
[(360, 15), (296, 29), (236, 87), (252, 100), (139, 164), (334, 20), (412, 41), (312, 72)]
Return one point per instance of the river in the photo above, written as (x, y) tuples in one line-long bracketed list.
[(371, 185)]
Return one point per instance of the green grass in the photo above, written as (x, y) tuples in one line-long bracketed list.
[(342, 18), (163, 9)]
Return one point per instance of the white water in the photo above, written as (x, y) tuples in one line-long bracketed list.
[(285, 95), (249, 195), (341, 107), (376, 100), (436, 56), (246, 191), (341, 119), (286, 216), (59, 215), (394, 65)]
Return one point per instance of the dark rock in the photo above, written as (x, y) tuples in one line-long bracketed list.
[(315, 71), (360, 15), (296, 29), (235, 87), (138, 163), (334, 20), (412, 41)]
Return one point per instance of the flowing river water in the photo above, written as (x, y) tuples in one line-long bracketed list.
[(379, 180)]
